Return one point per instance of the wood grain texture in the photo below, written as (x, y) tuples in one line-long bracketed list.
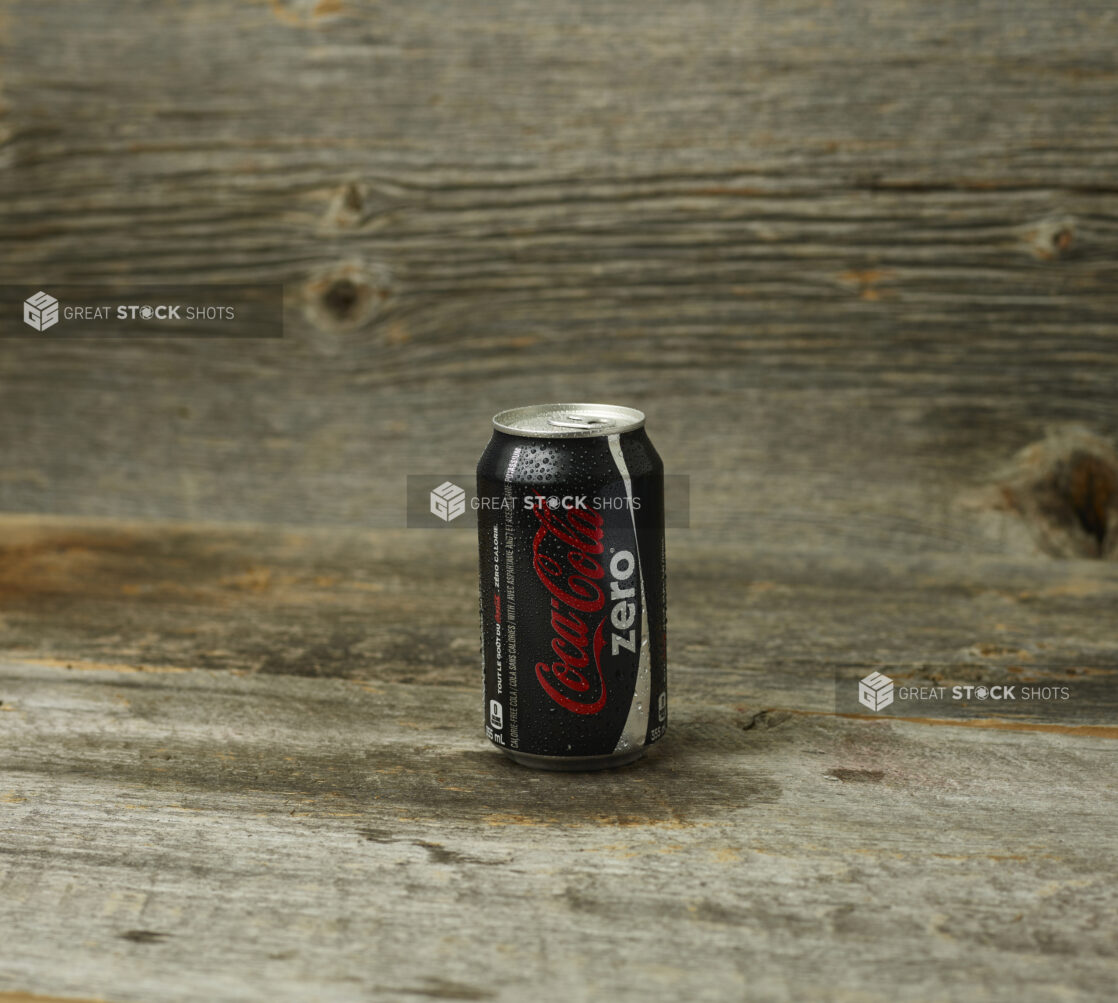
[(401, 606), (243, 838), (262, 748), (35, 998), (850, 262)]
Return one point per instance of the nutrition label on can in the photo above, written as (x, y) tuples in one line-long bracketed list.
[(510, 605), (495, 725)]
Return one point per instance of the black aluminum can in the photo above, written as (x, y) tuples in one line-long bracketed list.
[(573, 586)]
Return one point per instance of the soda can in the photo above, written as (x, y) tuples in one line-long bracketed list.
[(573, 586)]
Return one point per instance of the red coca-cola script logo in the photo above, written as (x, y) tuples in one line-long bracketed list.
[(565, 553)]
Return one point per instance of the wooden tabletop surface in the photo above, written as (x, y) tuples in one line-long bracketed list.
[(248, 763)]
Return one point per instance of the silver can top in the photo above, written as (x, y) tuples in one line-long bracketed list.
[(568, 421)]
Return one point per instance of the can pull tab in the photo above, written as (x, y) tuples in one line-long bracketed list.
[(575, 420)]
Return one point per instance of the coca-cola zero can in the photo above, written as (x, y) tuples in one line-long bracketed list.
[(573, 587)]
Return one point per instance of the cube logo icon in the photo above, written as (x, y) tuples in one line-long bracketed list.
[(875, 691), (40, 311), (448, 501)]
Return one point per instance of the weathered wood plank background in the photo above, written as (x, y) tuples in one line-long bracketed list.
[(850, 259), (857, 262)]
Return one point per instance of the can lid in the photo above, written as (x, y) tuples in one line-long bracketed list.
[(568, 421)]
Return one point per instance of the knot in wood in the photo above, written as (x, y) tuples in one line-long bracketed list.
[(347, 297), (1066, 489), (1051, 238)]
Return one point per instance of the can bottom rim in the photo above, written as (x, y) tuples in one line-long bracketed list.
[(573, 763)]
